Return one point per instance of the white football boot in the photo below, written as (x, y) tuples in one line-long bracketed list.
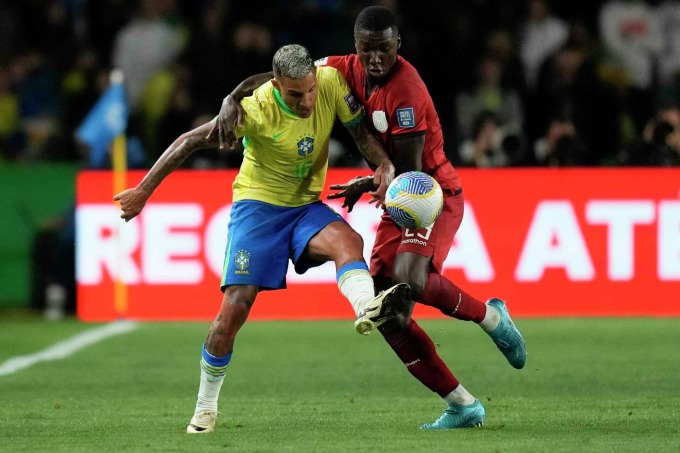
[(202, 422), (386, 305)]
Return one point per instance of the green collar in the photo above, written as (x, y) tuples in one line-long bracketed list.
[(282, 104)]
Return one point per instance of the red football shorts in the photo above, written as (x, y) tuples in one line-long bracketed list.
[(434, 242)]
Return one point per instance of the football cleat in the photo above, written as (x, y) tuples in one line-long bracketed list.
[(386, 305), (202, 422), (507, 337), (458, 416)]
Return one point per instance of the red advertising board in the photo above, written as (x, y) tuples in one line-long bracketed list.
[(551, 242)]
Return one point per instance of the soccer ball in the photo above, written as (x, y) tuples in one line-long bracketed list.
[(414, 200)]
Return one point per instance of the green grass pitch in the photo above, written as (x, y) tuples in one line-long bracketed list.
[(589, 385)]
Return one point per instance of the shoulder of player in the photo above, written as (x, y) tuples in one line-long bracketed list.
[(327, 75), (262, 94), (330, 80), (405, 81), (258, 106), (407, 74), (333, 61)]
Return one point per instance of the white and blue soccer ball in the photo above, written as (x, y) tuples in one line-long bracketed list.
[(414, 200)]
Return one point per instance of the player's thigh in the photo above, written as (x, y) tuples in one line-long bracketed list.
[(320, 235), (258, 241), (336, 241)]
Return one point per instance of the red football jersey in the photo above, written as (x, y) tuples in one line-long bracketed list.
[(401, 105)]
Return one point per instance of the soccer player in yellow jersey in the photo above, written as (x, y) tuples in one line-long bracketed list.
[(277, 214)]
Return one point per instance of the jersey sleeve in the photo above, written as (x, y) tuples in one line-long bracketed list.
[(408, 104), (251, 118), (347, 108)]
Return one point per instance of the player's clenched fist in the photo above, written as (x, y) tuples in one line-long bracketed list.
[(132, 202)]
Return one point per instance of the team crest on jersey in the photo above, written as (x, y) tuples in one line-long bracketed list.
[(242, 261), (406, 118), (380, 121), (305, 146), (352, 103)]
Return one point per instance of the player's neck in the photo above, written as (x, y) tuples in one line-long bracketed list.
[(371, 86)]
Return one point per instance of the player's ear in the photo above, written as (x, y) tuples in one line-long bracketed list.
[(398, 42), (276, 84)]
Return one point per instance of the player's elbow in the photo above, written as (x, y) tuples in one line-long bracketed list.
[(190, 141)]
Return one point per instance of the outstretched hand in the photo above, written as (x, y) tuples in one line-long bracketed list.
[(229, 118), (352, 190), (376, 186), (132, 202)]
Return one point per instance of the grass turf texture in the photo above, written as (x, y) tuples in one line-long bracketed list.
[(589, 385)]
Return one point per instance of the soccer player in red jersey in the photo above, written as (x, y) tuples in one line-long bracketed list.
[(403, 116)]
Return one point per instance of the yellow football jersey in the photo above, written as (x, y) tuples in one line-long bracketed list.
[(285, 157)]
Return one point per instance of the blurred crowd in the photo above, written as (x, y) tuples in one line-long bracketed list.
[(516, 83)]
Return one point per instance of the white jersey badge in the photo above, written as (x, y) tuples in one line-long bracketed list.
[(380, 121)]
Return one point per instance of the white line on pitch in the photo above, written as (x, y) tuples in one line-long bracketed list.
[(65, 348)]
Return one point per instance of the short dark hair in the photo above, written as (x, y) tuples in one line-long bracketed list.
[(376, 18)]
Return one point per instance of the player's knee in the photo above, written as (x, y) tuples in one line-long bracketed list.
[(414, 279), (357, 242), (240, 296), (348, 247), (338, 242)]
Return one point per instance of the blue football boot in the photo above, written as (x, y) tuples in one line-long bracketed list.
[(506, 336), (459, 416)]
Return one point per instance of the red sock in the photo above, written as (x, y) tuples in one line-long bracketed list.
[(441, 293), (416, 350)]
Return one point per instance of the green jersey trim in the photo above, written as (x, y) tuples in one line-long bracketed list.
[(356, 120), (282, 104)]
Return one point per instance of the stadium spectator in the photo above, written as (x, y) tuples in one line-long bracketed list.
[(501, 45), (404, 117), (570, 87), (540, 36), (668, 13), (631, 35), (145, 45), (491, 144), (660, 143), (489, 95), (36, 84), (246, 33), (277, 214), (560, 147)]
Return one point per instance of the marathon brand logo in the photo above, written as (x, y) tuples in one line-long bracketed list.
[(417, 238)]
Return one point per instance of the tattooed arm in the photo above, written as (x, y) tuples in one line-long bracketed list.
[(373, 151), (132, 201)]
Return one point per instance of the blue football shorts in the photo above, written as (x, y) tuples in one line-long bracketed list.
[(262, 237)]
